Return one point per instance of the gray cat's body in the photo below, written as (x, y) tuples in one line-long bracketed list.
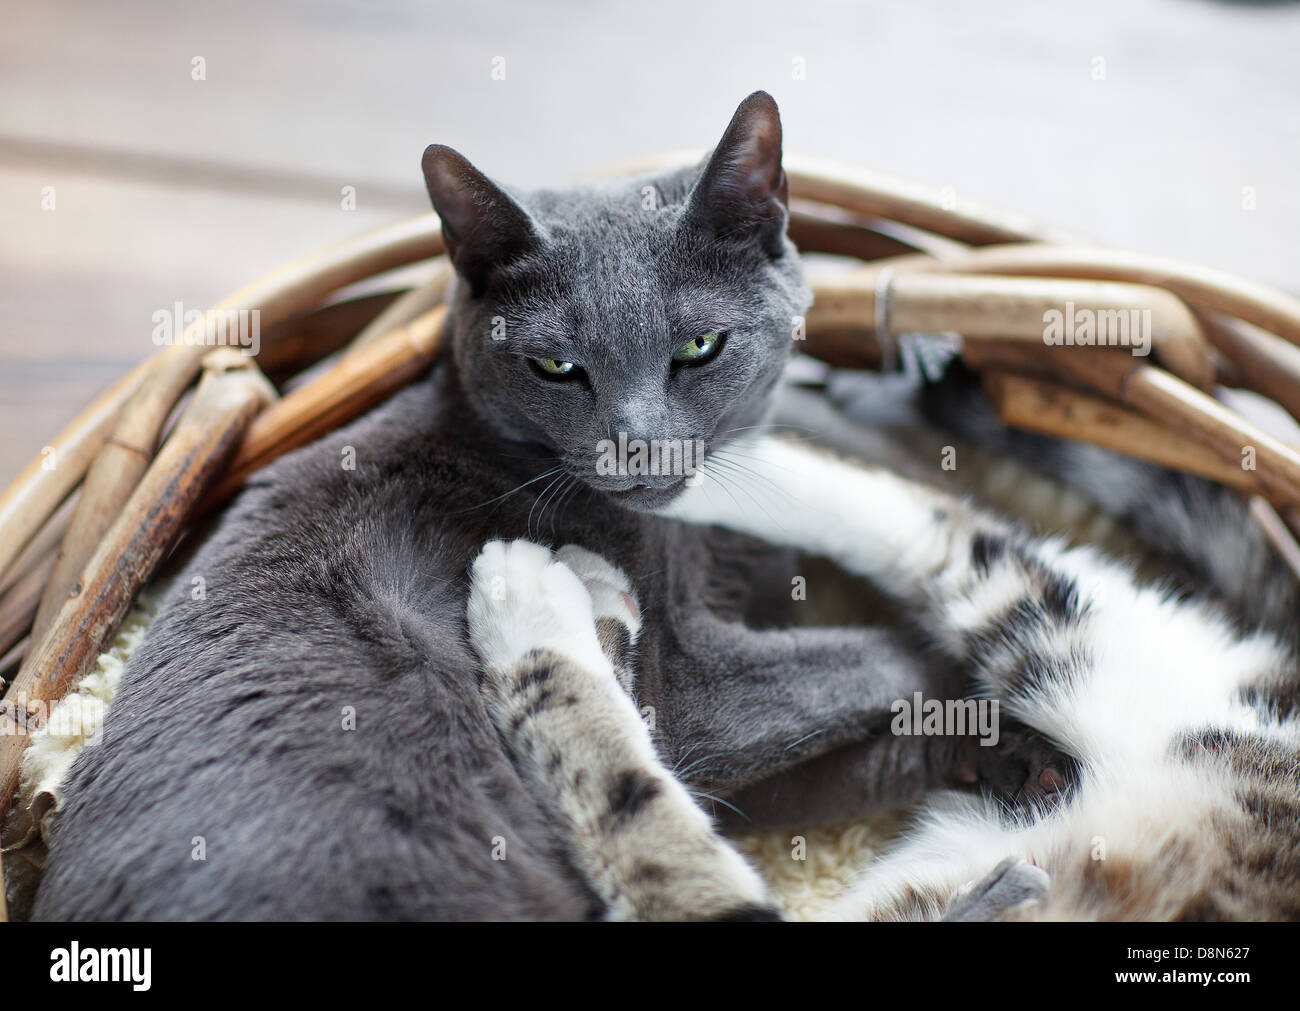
[(306, 737), (329, 592)]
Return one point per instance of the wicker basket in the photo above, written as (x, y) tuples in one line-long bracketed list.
[(69, 575)]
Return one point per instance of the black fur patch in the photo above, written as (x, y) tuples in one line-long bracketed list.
[(542, 672), (1281, 699), (1011, 647), (1060, 598), (615, 640), (537, 705), (632, 790), (987, 550), (1212, 740)]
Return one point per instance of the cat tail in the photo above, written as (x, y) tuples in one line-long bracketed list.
[(1205, 531)]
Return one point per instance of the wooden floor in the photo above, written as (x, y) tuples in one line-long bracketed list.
[(1147, 123)]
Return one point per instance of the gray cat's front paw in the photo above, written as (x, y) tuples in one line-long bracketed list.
[(1011, 885)]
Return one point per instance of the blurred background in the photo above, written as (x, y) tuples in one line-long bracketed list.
[(157, 151)]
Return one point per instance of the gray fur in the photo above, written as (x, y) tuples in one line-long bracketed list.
[(332, 591)]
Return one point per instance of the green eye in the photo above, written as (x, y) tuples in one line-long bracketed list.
[(698, 348), (552, 367)]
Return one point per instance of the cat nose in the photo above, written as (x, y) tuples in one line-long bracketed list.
[(641, 417)]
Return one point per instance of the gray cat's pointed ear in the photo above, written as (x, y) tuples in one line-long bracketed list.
[(743, 192), (482, 226)]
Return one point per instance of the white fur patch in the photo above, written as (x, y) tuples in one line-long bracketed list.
[(610, 589), (522, 599)]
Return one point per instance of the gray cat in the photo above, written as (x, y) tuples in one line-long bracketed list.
[(309, 740)]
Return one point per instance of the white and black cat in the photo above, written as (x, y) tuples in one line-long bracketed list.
[(1184, 802), (1180, 712), (307, 738)]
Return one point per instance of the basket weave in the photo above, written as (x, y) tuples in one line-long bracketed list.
[(929, 264)]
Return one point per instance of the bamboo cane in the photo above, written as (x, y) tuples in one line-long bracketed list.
[(298, 286), (1266, 363), (308, 337), (1177, 407), (112, 477), (1166, 398), (1023, 358), (305, 340), (816, 233), (355, 385), (53, 475), (42, 547), (871, 194), (1279, 530), (230, 394), (414, 303), (1008, 308), (1048, 408), (1274, 467), (18, 606), (1203, 288)]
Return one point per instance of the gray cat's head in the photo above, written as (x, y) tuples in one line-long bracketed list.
[(626, 327)]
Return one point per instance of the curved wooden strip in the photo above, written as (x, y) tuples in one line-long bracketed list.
[(113, 475), (42, 547), (1167, 398), (1203, 288), (935, 209), (1265, 362), (352, 387), (816, 233), (37, 492), (134, 546), (299, 285), (1280, 529), (984, 307), (410, 305), (308, 337), (1048, 408), (18, 606), (879, 195)]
